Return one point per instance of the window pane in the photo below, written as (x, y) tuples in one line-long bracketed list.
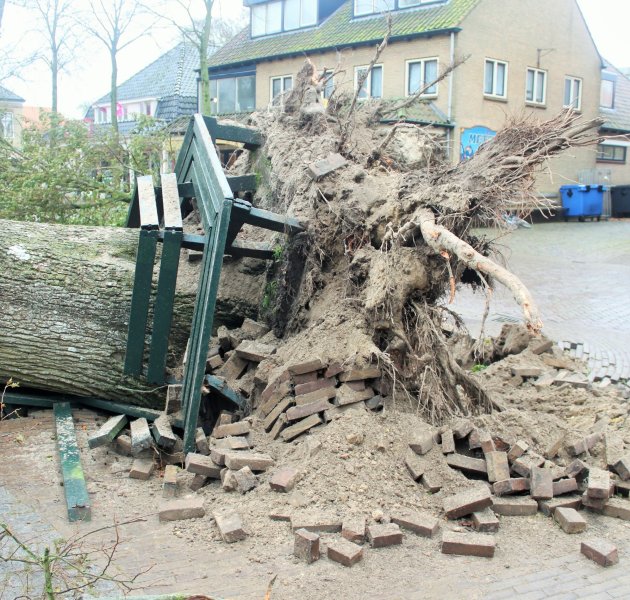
[(407, 3), (309, 13), (377, 82), (488, 85), (291, 14), (540, 87), (607, 95), (415, 78), (227, 95), (258, 19), (362, 7), (276, 87), (274, 17), (287, 84), (577, 90), (567, 92), (246, 93), (329, 84), (529, 86), (360, 72), (384, 5), (430, 74), (500, 83)]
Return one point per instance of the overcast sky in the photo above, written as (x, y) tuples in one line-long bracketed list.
[(88, 78)]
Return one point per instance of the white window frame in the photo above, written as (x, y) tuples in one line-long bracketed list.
[(496, 62), (603, 145), (376, 10), (536, 72), (614, 93), (572, 104), (422, 62), (368, 81), (283, 91)]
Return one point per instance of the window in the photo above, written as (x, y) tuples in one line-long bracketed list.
[(280, 85), (536, 86), (370, 7), (419, 74), (233, 94), (100, 114), (495, 78), (607, 92), (328, 83), (573, 93), (147, 108), (299, 13), (373, 86), (6, 126), (611, 153), (266, 18)]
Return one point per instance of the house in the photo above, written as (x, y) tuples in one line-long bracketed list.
[(166, 90), (11, 109), (525, 57)]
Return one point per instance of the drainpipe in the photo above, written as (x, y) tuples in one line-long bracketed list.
[(450, 97)]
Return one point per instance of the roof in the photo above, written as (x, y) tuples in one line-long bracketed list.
[(341, 30), (8, 96), (618, 118), (173, 73), (422, 113)]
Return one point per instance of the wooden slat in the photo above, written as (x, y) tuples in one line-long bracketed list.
[(251, 250), (250, 138), (148, 207), (140, 297), (133, 212), (242, 183), (77, 498), (170, 201), (266, 219)]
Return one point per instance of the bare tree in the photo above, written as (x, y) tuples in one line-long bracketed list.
[(114, 23), (57, 26)]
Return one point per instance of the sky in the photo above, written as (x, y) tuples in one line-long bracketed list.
[(88, 78)]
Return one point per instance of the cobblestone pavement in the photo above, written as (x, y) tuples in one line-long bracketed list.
[(579, 275)]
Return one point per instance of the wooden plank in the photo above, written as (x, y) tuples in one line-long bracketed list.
[(259, 250), (250, 138), (170, 202), (77, 498), (140, 297), (267, 219), (137, 412), (193, 242), (133, 212), (21, 399), (243, 183), (108, 431), (148, 206), (220, 386), (163, 308)]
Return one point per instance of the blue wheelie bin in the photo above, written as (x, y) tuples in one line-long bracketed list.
[(582, 201)]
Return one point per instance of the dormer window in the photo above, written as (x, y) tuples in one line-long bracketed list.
[(607, 91), (282, 15), (371, 7)]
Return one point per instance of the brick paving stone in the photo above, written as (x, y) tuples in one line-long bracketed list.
[(421, 442), (468, 544), (354, 530), (423, 524), (600, 551), (381, 536), (306, 546), (569, 520), (515, 507), (345, 552), (466, 503)]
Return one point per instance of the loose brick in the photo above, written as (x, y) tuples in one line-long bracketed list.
[(421, 442), (123, 445), (306, 367), (584, 445), (346, 395), (254, 328), (306, 546), (280, 425), (305, 378), (223, 334), (468, 544), (173, 399), (570, 520), (554, 448), (617, 508), (548, 507), (523, 466), (515, 507), (254, 351), (431, 482), (344, 552), (598, 484), (327, 393), (462, 428), (564, 486), (485, 521), (140, 436), (595, 504), (163, 433), (448, 442), (486, 443), (202, 465), (325, 166), (497, 466), (576, 470), (527, 372), (300, 427), (184, 508), (422, 524), (169, 482), (228, 480), (354, 530), (517, 450), (381, 536), (474, 443), (245, 480), (300, 412), (277, 392), (254, 460), (201, 442), (231, 429), (233, 368), (141, 469), (374, 402), (466, 463), (313, 386), (213, 363), (541, 483), (285, 517), (337, 411), (198, 481), (357, 386), (230, 526), (541, 347), (622, 467), (284, 479), (217, 455), (237, 442), (600, 551), (333, 370), (622, 487), (108, 431), (414, 464), (466, 503), (316, 522), (272, 417), (356, 374), (511, 486)]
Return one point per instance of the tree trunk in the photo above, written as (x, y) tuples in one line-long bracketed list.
[(114, 87), (204, 78)]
